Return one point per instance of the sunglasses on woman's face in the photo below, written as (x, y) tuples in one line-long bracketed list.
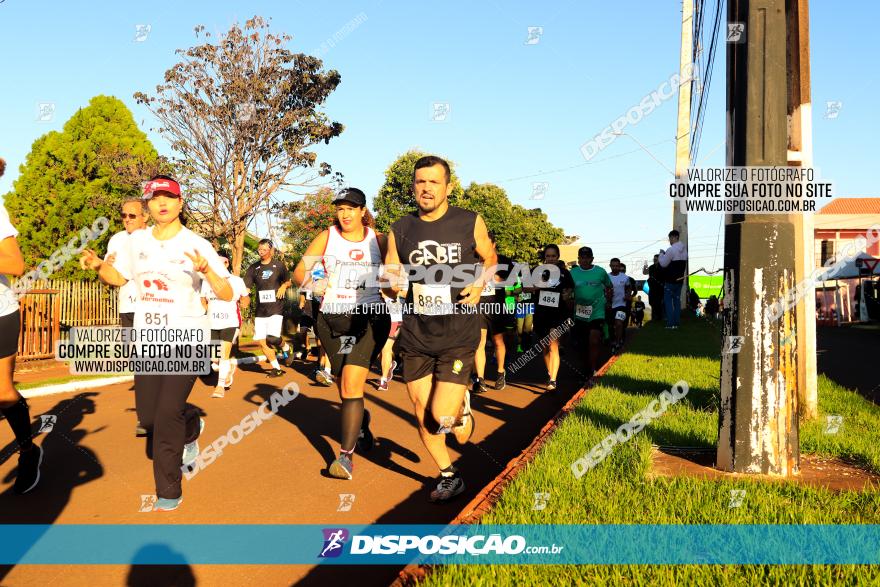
[(129, 216)]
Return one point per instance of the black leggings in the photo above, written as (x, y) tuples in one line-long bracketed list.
[(160, 401)]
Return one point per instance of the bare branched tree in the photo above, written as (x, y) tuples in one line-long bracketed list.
[(243, 117)]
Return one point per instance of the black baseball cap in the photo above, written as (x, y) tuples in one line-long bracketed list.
[(351, 196)]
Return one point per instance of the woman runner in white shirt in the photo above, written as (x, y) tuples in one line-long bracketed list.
[(168, 262), (225, 320), (353, 322), (12, 405)]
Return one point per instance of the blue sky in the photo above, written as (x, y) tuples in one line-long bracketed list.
[(519, 112)]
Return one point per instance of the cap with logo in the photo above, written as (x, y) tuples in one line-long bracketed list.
[(160, 185), (352, 196)]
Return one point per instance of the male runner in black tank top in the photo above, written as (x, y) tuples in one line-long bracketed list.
[(440, 327)]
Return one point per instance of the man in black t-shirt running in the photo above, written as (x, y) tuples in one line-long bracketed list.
[(271, 279), (440, 332)]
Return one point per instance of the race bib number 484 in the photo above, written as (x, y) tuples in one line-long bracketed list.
[(549, 298)]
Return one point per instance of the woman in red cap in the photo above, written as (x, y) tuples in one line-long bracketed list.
[(168, 263)]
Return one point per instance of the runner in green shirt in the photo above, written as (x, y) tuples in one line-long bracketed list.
[(592, 287)]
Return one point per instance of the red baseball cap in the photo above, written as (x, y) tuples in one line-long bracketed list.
[(161, 185)]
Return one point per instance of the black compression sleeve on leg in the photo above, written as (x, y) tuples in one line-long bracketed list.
[(19, 418), (352, 418)]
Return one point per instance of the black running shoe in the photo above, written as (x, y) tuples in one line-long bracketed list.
[(501, 381), (365, 438), (479, 386), (275, 373), (551, 385), (28, 469)]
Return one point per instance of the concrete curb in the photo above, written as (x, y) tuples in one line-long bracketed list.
[(74, 386)]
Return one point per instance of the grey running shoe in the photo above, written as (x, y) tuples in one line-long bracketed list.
[(324, 378), (164, 504), (342, 467), (191, 449), (448, 488)]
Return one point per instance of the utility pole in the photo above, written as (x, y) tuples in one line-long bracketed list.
[(758, 416), (800, 152), (683, 129)]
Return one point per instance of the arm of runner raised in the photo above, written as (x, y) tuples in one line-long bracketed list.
[(106, 272), (393, 269), (282, 289), (302, 273), (471, 295), (219, 283)]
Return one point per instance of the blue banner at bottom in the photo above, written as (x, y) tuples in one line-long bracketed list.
[(435, 544)]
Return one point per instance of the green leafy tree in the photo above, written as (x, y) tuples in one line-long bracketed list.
[(519, 232), (73, 177), (534, 231), (244, 115), (395, 198), (304, 219)]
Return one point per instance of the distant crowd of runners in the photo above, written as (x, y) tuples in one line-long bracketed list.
[(360, 302)]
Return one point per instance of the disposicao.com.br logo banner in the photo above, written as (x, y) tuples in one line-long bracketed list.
[(436, 544)]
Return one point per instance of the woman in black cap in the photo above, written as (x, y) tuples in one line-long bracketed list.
[(353, 322)]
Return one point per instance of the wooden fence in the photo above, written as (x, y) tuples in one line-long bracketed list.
[(40, 328), (84, 303), (52, 307)]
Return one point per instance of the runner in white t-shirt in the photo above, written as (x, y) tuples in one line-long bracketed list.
[(12, 405), (225, 320), (353, 323), (134, 217), (168, 262), (621, 297)]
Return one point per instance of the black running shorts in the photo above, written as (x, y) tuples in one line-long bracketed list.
[(352, 339), (10, 325), (451, 365), (126, 319), (225, 334), (582, 328)]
